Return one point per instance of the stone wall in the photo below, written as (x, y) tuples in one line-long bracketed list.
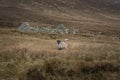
[(60, 29)]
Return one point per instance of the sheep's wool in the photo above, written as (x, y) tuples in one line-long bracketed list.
[(62, 45)]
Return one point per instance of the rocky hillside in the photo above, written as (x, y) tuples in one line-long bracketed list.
[(82, 14)]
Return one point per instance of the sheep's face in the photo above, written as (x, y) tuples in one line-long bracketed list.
[(58, 41), (62, 45)]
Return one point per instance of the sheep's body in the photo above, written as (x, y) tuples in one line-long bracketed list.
[(62, 45)]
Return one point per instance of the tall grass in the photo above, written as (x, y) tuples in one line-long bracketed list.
[(29, 57)]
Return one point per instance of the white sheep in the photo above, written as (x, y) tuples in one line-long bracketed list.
[(62, 44)]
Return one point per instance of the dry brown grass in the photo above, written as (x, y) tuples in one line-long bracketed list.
[(35, 56)]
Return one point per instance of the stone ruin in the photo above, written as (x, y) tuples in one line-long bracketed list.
[(60, 29)]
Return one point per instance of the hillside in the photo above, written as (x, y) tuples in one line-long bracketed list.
[(28, 53), (82, 14)]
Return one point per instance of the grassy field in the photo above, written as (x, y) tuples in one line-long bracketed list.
[(31, 56)]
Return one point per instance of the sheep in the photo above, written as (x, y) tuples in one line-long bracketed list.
[(62, 44)]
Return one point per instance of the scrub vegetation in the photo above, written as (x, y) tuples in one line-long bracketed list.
[(31, 56)]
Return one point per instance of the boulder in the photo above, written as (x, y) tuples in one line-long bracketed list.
[(67, 31), (60, 27), (24, 27)]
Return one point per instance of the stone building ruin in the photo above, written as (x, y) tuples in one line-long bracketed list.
[(60, 29)]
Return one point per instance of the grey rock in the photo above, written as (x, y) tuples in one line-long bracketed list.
[(33, 29), (24, 27), (53, 31), (67, 31), (75, 31), (60, 27)]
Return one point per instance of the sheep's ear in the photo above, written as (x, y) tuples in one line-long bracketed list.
[(57, 42)]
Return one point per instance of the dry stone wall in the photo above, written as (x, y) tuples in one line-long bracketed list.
[(60, 29)]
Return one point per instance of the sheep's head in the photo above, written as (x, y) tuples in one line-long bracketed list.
[(58, 41)]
